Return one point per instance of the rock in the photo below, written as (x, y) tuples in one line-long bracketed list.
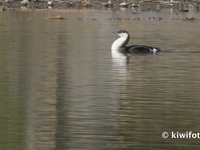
[(50, 3), (87, 3), (124, 5), (109, 4), (24, 3), (2, 8)]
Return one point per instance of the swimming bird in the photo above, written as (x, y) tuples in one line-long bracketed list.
[(119, 45)]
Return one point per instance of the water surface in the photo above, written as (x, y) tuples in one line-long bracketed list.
[(61, 89)]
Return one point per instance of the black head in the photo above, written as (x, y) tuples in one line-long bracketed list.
[(122, 31), (124, 35)]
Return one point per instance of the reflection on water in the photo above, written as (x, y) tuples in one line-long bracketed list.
[(61, 89)]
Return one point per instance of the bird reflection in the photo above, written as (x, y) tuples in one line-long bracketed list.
[(119, 66), (120, 59)]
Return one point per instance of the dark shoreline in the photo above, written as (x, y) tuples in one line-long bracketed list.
[(79, 5), (54, 5)]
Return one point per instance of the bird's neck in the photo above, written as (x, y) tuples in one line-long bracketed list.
[(119, 43)]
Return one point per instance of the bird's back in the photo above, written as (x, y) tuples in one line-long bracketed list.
[(141, 49)]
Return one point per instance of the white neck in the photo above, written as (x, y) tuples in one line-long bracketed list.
[(116, 47), (119, 43)]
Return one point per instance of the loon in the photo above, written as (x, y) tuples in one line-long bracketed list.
[(119, 45)]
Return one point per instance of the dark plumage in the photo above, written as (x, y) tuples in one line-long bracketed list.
[(141, 49), (120, 45)]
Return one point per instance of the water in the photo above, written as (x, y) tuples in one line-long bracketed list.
[(61, 89)]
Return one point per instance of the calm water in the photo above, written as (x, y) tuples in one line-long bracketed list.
[(60, 89)]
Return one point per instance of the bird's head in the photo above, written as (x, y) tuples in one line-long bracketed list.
[(123, 33)]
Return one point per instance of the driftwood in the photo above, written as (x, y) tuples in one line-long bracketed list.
[(58, 17), (192, 19)]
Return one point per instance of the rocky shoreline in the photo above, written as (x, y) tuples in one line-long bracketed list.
[(51, 4), (92, 4)]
